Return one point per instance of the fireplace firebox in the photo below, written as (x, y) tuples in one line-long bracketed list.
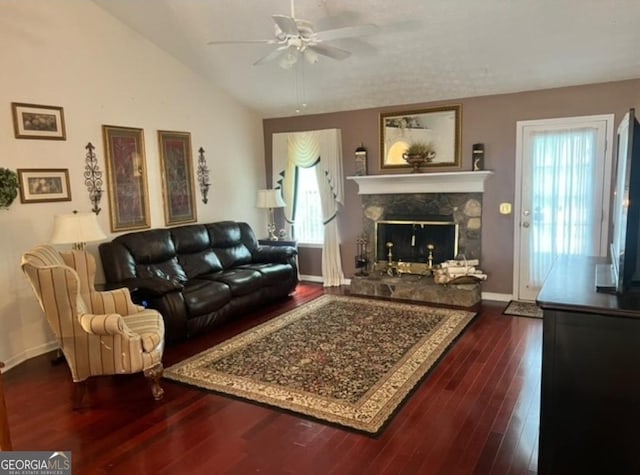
[(416, 241)]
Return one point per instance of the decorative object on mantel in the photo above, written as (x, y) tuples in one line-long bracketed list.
[(477, 158), (361, 160), (438, 126), (93, 178), (203, 176), (8, 187), (418, 154), (458, 271)]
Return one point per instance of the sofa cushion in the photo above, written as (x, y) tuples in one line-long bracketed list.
[(272, 274), (205, 296), (154, 254), (242, 281), (226, 241), (193, 248)]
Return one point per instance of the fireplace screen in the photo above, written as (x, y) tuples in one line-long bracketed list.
[(411, 238)]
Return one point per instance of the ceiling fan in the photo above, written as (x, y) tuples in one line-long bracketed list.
[(295, 37)]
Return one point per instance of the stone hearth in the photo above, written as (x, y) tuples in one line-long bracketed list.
[(416, 288)]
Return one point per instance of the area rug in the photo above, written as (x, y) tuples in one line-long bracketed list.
[(523, 309), (345, 360)]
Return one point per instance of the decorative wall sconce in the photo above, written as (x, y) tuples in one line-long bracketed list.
[(361, 161), (93, 178), (203, 175)]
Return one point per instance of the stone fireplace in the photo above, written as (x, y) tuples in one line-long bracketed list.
[(461, 211), (412, 211)]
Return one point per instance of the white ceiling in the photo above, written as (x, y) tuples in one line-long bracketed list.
[(424, 50)]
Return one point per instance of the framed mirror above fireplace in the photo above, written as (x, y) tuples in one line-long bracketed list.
[(437, 127)]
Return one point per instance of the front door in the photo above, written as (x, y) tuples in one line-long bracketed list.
[(563, 174)]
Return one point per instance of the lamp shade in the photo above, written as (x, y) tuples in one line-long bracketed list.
[(269, 199), (76, 228)]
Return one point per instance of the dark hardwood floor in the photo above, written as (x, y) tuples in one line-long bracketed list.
[(476, 413)]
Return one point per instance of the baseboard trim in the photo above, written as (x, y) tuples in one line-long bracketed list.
[(318, 279), (311, 278), (496, 297), (30, 353)]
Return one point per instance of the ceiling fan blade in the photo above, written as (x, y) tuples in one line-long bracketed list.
[(346, 32), (272, 56), (287, 24), (330, 51), (233, 42)]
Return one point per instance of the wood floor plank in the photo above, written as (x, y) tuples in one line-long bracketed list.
[(476, 413)]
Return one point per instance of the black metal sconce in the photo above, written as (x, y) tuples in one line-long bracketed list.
[(203, 175), (93, 178)]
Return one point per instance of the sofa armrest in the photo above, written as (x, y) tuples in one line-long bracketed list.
[(274, 253), (151, 286)]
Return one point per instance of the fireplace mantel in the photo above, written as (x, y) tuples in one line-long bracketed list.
[(447, 182)]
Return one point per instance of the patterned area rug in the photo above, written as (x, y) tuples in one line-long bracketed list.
[(523, 309), (349, 361)]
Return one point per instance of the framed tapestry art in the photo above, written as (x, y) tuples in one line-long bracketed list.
[(438, 128), (32, 121), (43, 185), (126, 178), (177, 177)]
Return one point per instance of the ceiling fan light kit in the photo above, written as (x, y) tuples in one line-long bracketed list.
[(295, 37)]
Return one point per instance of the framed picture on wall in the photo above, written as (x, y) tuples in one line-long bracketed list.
[(33, 121), (177, 177), (43, 185), (126, 178)]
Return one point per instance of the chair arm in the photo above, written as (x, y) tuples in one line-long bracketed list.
[(274, 253), (106, 324)]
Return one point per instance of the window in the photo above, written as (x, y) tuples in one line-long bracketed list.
[(308, 226)]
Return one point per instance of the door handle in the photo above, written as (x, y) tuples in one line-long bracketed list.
[(525, 224)]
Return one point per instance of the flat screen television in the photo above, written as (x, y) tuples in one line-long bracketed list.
[(623, 273)]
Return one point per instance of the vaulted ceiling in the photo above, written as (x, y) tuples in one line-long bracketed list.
[(422, 50)]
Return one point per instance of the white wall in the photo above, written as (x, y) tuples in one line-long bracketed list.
[(71, 53)]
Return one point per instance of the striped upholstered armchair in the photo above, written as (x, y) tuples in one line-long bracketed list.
[(100, 333)]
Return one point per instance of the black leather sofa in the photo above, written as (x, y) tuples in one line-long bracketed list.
[(199, 275)]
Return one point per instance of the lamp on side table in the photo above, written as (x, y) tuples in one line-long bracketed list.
[(77, 229), (270, 199)]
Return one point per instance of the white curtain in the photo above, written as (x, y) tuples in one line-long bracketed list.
[(322, 148), (564, 207)]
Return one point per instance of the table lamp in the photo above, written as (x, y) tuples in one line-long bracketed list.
[(76, 228), (270, 199)]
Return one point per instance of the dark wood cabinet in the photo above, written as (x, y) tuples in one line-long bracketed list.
[(590, 400)]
